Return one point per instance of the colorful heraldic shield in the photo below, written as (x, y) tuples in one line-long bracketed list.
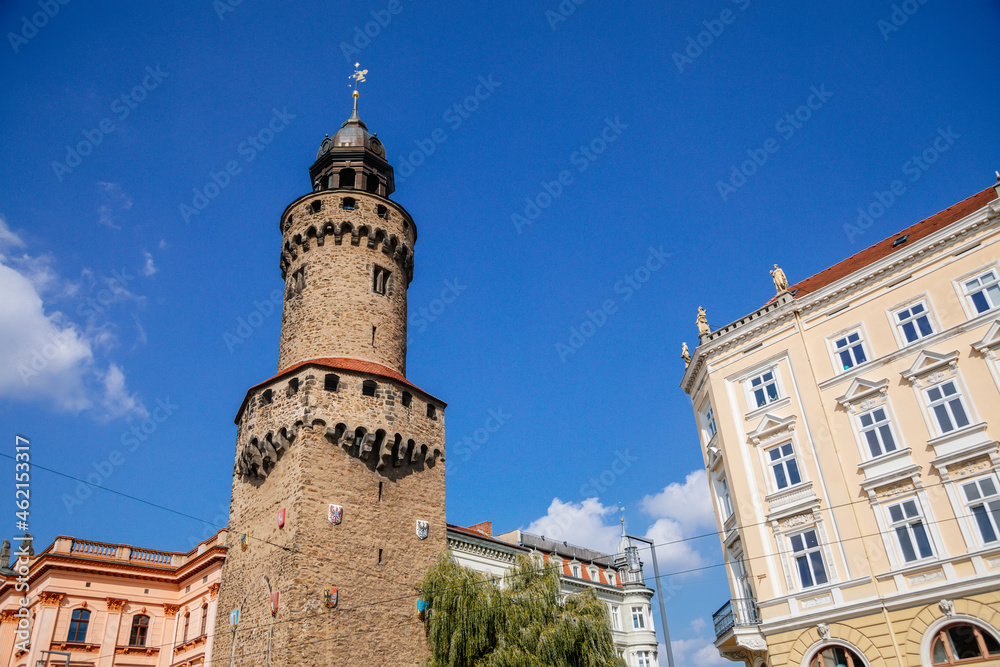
[(422, 528), (274, 603), (336, 514), (330, 597), (281, 518), (234, 618), (244, 541)]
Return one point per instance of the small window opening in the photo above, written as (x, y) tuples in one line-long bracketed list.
[(380, 279), (382, 211), (431, 411), (901, 240), (204, 580), (407, 399), (368, 388), (379, 556), (266, 397), (188, 589), (293, 385), (373, 335), (349, 203), (380, 491), (346, 179), (145, 591), (372, 184), (88, 585), (330, 382), (316, 205)]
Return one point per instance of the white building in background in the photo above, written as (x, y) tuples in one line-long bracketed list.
[(624, 592)]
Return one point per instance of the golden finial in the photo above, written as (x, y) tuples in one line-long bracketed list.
[(358, 76)]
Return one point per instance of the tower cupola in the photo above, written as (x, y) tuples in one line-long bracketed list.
[(353, 159)]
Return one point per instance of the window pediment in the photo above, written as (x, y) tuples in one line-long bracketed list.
[(771, 428), (931, 367), (990, 343), (864, 394)]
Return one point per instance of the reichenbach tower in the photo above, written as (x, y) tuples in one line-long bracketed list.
[(339, 458)]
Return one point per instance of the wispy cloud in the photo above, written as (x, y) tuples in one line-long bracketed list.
[(114, 200), (149, 268)]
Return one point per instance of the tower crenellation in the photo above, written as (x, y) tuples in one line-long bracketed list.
[(338, 501)]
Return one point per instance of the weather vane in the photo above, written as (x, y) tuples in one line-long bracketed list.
[(358, 76)]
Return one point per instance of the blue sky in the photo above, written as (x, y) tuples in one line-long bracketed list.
[(592, 180)]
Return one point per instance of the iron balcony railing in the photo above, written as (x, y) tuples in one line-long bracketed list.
[(739, 612)]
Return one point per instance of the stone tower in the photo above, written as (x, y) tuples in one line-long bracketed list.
[(339, 458)]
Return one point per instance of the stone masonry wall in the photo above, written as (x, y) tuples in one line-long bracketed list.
[(383, 493), (328, 261)]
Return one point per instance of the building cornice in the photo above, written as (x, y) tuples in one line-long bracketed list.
[(786, 305)]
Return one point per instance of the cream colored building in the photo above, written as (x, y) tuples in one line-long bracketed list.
[(111, 605), (623, 591), (849, 428)]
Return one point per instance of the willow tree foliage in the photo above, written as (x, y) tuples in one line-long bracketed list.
[(523, 620)]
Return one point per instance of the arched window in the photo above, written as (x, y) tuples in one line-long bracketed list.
[(204, 619), (964, 644), (347, 179), (140, 625), (78, 626), (187, 624), (837, 656)]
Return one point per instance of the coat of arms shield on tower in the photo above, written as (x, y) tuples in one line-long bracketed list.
[(330, 597), (336, 514), (422, 528)]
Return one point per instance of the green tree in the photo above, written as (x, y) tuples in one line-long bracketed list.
[(472, 620)]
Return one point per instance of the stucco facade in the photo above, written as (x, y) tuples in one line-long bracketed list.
[(848, 430), (111, 605)]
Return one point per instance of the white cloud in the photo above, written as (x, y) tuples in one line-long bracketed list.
[(581, 524), (9, 238), (149, 268), (674, 554), (114, 200), (46, 356), (698, 652), (689, 504)]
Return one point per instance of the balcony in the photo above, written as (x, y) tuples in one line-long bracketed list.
[(737, 613)]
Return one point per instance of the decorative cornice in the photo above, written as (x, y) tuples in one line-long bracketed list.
[(136, 650), (988, 344), (82, 647), (116, 604), (170, 610), (864, 394), (7, 615), (213, 590), (772, 427), (50, 598), (931, 367), (197, 641), (775, 312), (481, 550)]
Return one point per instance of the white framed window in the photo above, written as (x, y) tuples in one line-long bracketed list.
[(576, 570), (611, 577), (983, 291), (784, 466), (849, 350), (983, 506), (725, 499), (616, 617), (642, 659), (808, 555), (763, 389), (907, 524), (876, 431), (947, 405), (913, 322), (638, 618), (710, 426)]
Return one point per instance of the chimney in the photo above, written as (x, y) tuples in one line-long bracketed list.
[(483, 528)]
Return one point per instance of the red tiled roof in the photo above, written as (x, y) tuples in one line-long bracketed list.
[(340, 363), (884, 248)]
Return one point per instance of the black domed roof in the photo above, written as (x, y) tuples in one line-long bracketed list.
[(352, 134)]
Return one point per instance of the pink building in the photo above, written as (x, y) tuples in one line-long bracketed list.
[(113, 604)]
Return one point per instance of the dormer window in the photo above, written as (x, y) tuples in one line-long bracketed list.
[(349, 204)]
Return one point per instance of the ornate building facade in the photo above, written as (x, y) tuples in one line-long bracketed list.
[(624, 591), (107, 605), (849, 431), (338, 501)]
